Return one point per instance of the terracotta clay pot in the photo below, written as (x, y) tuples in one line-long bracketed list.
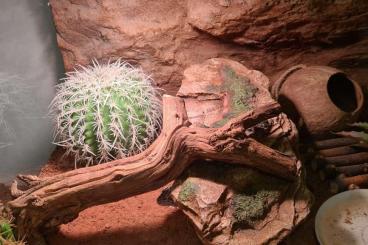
[(323, 97)]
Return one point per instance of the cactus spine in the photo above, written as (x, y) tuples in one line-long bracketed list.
[(104, 112)]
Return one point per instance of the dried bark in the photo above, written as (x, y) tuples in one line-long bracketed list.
[(335, 142), (52, 201), (350, 159), (342, 183), (332, 170), (339, 151)]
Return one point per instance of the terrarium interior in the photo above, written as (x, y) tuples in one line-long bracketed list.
[(187, 122)]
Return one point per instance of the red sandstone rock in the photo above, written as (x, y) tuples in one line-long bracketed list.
[(268, 23), (231, 205), (205, 90), (166, 36)]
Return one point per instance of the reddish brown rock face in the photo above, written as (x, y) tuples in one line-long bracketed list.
[(166, 36), (267, 23)]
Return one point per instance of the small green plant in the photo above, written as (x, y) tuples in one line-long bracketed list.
[(188, 191), (6, 231), (7, 236), (104, 112)]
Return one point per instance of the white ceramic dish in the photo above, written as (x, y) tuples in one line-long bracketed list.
[(343, 219)]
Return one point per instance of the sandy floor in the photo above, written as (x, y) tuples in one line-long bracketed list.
[(136, 220)]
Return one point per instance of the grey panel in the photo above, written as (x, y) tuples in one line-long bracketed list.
[(30, 66)]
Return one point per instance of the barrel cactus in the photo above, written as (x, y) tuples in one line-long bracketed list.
[(106, 111)]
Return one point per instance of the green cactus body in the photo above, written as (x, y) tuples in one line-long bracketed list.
[(105, 112)]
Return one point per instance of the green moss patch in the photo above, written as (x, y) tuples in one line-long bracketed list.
[(254, 193), (250, 208), (188, 191), (256, 199), (241, 92)]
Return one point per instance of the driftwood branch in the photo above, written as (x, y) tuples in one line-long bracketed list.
[(55, 200)]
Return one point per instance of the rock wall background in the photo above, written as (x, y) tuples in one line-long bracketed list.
[(166, 36)]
